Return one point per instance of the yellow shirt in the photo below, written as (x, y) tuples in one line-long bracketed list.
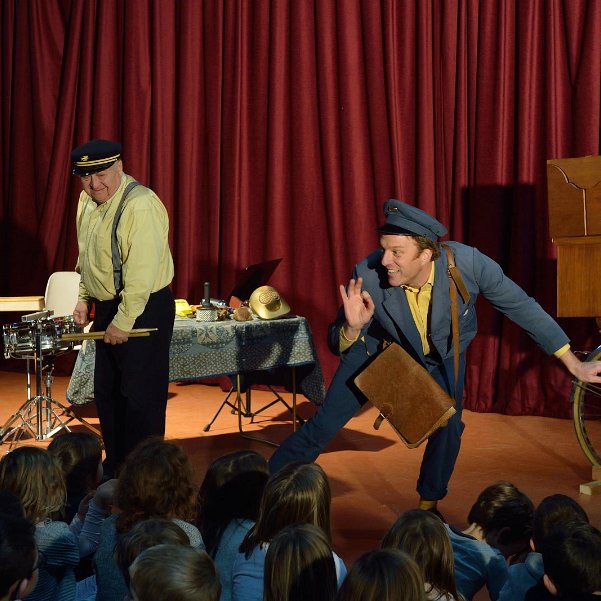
[(419, 303), (142, 234)]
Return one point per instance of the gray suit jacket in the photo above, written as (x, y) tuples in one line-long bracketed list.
[(393, 320)]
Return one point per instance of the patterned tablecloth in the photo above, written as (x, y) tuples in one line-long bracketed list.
[(210, 349)]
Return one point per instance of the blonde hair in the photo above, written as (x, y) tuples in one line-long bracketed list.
[(299, 565), (174, 573), (36, 478), (424, 537), (298, 494)]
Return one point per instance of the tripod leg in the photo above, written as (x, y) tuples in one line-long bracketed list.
[(225, 402)]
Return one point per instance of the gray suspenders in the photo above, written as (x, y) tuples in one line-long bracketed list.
[(117, 263)]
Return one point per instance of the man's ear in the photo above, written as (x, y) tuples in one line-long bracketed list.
[(549, 585), (532, 545)]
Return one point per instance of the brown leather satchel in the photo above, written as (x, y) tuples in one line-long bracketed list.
[(406, 395), (403, 390)]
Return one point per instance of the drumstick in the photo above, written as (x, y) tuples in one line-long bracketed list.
[(137, 333)]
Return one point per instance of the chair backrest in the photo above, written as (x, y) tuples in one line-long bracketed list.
[(61, 293)]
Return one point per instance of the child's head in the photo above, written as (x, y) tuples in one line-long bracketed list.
[(35, 477), (18, 572), (551, 512), (156, 480), (509, 528), (142, 536), (298, 494), (424, 537), (80, 457), (174, 573), (572, 556), (232, 488), (383, 575), (489, 500), (299, 565)]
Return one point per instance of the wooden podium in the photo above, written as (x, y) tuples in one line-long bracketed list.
[(574, 198)]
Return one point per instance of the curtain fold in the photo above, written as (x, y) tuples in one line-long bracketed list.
[(276, 128)]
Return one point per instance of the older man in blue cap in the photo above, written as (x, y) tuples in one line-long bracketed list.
[(126, 269), (401, 293)]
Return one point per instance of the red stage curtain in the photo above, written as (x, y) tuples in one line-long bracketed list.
[(277, 128)]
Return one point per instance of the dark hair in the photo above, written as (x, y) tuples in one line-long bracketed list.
[(424, 537), (489, 500), (231, 489), (156, 480), (553, 511), (572, 556), (174, 573), (298, 494), (78, 454), (10, 504), (299, 565), (17, 551), (514, 517), (142, 536), (383, 575)]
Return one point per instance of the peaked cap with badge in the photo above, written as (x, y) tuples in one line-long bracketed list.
[(95, 156), (405, 219)]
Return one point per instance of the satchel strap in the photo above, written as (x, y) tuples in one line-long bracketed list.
[(456, 283), (117, 262)]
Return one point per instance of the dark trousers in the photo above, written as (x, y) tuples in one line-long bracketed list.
[(131, 379), (342, 403)]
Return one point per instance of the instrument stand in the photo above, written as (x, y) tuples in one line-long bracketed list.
[(40, 417), (242, 406)]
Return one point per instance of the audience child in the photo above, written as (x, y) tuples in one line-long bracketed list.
[(35, 477), (488, 501), (18, 553), (383, 575), (572, 559), (80, 456), (156, 480), (298, 494), (174, 573), (228, 506), (424, 537), (142, 536), (481, 552), (552, 512), (299, 565)]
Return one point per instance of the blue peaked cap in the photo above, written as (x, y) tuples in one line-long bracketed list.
[(404, 219)]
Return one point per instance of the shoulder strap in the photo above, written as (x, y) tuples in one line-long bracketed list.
[(456, 283), (117, 263)]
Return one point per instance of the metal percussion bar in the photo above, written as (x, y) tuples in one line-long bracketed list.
[(137, 333)]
